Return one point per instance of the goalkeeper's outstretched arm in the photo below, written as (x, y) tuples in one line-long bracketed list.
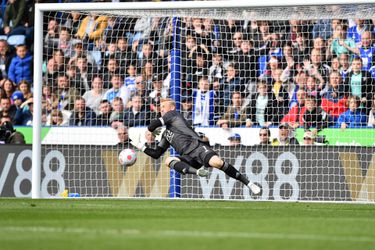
[(154, 152)]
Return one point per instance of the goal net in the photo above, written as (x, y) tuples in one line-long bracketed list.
[(284, 93)]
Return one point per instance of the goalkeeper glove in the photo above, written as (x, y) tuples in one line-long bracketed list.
[(139, 146), (156, 132)]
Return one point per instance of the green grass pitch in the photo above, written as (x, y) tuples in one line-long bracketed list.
[(27, 224)]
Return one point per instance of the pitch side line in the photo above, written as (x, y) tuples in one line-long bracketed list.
[(169, 233)]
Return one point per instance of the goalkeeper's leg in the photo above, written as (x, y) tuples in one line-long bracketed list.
[(216, 162), (184, 168)]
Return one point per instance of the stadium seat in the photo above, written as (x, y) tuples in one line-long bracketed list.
[(16, 40)]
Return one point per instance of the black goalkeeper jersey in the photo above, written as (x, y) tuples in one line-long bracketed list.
[(178, 133)]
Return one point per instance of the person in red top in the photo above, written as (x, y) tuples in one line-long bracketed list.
[(334, 100), (295, 115)]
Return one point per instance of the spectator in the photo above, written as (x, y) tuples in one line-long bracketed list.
[(280, 94), (140, 88), (7, 109), (91, 29), (4, 118), (365, 51), (308, 138), (300, 81), (52, 31), (138, 114), (334, 100), (63, 42), (247, 68), (73, 21), (200, 57), (149, 76), (21, 65), (203, 104), (6, 56), (314, 117), (124, 54), (150, 139), (216, 70), (123, 137), (111, 69), (8, 86), (284, 137), (371, 116), (25, 114), (230, 83), (56, 118), (352, 118), (356, 31), (236, 45), (116, 90), (301, 46), (186, 49), (82, 115), (51, 73), (129, 80), (79, 52), (109, 50), (360, 83), (335, 64), (294, 117), (339, 41), (66, 94), (104, 115), (263, 108), (322, 28), (25, 88), (317, 68), (8, 135), (117, 113), (83, 75), (264, 136), (147, 54), (344, 65), (49, 99), (156, 95), (234, 140), (94, 96), (187, 109), (61, 61), (14, 17), (312, 87), (236, 114)]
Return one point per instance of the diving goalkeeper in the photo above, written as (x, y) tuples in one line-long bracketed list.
[(194, 151)]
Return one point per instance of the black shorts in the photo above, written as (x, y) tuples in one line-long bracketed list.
[(199, 157)]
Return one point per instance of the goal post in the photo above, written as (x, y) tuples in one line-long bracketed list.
[(191, 49)]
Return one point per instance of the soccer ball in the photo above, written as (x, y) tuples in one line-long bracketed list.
[(127, 157)]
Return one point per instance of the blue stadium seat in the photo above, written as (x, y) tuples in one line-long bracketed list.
[(16, 40)]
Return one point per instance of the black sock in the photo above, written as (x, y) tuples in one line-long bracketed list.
[(182, 167), (234, 173)]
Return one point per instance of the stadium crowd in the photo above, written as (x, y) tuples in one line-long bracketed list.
[(112, 70)]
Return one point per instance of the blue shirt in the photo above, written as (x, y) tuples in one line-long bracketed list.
[(366, 56), (352, 119)]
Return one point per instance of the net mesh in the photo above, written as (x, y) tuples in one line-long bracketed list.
[(244, 77)]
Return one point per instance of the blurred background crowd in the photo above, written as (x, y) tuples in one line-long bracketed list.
[(102, 70)]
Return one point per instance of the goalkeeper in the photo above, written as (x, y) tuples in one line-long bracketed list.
[(193, 150)]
